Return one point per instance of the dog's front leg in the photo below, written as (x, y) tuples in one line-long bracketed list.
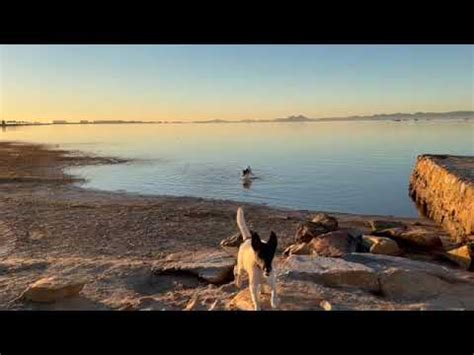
[(274, 297), (253, 283), (238, 276)]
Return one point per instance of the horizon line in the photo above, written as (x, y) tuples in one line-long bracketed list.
[(277, 119)]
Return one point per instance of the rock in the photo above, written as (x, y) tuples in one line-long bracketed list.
[(461, 256), (333, 272), (307, 231), (298, 249), (36, 235), (325, 220), (233, 241), (381, 245), (51, 289), (381, 263), (326, 305), (413, 237), (378, 224), (293, 296), (412, 285), (321, 224), (333, 244), (418, 237), (213, 267), (392, 277), (390, 232), (406, 279)]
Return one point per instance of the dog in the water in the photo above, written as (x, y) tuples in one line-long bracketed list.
[(247, 172), (255, 257)]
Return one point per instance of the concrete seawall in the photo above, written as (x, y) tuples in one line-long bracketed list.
[(443, 188)]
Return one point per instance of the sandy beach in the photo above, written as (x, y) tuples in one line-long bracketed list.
[(50, 225)]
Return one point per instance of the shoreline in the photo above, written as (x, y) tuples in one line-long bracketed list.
[(88, 159), (49, 225), (186, 198)]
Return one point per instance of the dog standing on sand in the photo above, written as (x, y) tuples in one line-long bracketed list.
[(256, 258)]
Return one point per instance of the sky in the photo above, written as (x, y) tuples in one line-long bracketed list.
[(200, 82)]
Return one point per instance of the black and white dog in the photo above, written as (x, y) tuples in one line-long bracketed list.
[(255, 257), (246, 173)]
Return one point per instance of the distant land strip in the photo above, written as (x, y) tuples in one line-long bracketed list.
[(466, 115)]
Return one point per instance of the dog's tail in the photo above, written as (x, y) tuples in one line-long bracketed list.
[(242, 225)]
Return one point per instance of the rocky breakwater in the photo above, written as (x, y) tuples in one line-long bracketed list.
[(443, 188)]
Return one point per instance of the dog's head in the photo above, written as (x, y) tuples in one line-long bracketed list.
[(265, 251)]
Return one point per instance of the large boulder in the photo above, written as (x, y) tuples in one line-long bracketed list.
[(406, 279), (298, 249), (462, 256), (52, 289), (321, 223), (213, 267), (394, 278), (325, 220), (411, 285), (334, 272), (381, 263), (380, 245), (413, 237), (307, 231), (379, 224), (333, 244)]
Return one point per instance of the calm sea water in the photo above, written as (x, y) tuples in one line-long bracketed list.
[(358, 167)]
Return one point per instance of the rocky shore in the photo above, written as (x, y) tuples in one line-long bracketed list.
[(63, 247)]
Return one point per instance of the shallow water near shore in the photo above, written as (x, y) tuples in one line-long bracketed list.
[(355, 167)]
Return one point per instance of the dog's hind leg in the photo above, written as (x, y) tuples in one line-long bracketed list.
[(238, 268), (237, 276), (254, 291)]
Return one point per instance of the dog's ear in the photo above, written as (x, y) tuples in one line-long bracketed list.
[(256, 242), (272, 242)]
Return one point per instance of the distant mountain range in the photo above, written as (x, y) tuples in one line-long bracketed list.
[(378, 117), (299, 118)]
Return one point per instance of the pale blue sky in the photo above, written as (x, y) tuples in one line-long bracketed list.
[(232, 82)]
